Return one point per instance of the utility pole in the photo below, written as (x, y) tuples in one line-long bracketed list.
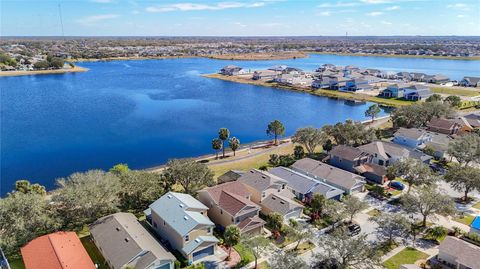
[(61, 19)]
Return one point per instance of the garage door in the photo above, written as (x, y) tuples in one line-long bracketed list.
[(203, 253), (165, 266), (293, 214)]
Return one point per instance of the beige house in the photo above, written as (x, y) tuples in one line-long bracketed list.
[(269, 191), (182, 220), (459, 254), (229, 203)]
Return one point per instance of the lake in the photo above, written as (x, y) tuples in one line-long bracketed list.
[(144, 112)]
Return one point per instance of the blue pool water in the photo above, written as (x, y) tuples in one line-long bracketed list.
[(145, 112)]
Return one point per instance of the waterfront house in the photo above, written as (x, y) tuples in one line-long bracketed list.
[(278, 68), (470, 82), (394, 91), (438, 79), (182, 221), (446, 126), (459, 254), (404, 76), (411, 137), (386, 153), (58, 250), (269, 191), (357, 84), (264, 74), (304, 187), (292, 71), (417, 92), (229, 203), (420, 77), (232, 70), (325, 67), (348, 182), (229, 176), (123, 242)]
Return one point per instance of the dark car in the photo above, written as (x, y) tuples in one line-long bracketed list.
[(397, 185), (354, 229)]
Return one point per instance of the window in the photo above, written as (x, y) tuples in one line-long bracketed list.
[(164, 223), (187, 238), (221, 211), (154, 224), (263, 194), (209, 230), (380, 162)]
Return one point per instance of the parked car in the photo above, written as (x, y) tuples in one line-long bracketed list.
[(397, 185), (354, 229)]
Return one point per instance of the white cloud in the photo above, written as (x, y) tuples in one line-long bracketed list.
[(374, 13), (93, 20), (193, 7), (392, 8), (458, 6), (102, 1), (325, 13), (338, 4), (461, 16), (375, 1), (240, 24), (386, 22)]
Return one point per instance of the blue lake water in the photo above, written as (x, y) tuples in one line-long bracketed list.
[(145, 112)]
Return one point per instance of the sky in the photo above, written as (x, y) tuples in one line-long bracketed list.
[(239, 18)]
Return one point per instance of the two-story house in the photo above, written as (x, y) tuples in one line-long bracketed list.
[(269, 191), (229, 203), (394, 91), (182, 220), (459, 254), (417, 92), (123, 242), (385, 153), (411, 137), (339, 178), (232, 70)]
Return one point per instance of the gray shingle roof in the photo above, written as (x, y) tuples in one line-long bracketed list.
[(199, 241), (330, 174), (181, 212), (388, 150), (261, 180), (280, 204), (346, 152), (465, 253), (412, 133), (121, 238)]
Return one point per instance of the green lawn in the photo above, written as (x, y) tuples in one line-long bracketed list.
[(477, 205), (304, 247), (244, 253), (94, 252), (406, 256), (264, 265), (16, 264), (466, 219), (374, 212), (456, 91)]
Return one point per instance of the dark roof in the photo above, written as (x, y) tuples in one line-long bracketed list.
[(412, 133), (231, 175), (463, 252), (441, 123), (261, 180), (280, 204), (346, 152)]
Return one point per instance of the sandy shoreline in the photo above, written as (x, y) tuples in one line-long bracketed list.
[(473, 58), (42, 72)]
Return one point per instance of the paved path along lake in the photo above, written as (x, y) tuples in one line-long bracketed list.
[(145, 112)]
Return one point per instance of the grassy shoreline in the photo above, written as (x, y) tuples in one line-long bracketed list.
[(472, 58), (319, 92), (43, 72)]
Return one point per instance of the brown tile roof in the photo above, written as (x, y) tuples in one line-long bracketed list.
[(465, 253), (58, 250), (231, 197), (249, 224), (441, 124)]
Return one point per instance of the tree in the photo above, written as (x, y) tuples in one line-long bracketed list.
[(41, 65), (463, 179), (24, 217), (348, 252), (287, 260), (428, 201), (217, 145), (24, 186), (275, 129), (335, 211), (234, 144), (139, 189), (436, 232), (119, 169), (391, 226), (298, 152), (328, 145), (275, 222), (274, 160), (373, 111), (223, 134), (298, 232), (465, 149), (350, 133), (434, 98), (191, 175), (258, 245), (391, 173), (56, 63), (84, 197), (453, 101), (417, 115), (317, 204), (353, 206), (232, 237), (414, 172), (310, 138)]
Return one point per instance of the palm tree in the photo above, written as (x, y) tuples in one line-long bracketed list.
[(234, 143), (232, 237), (223, 134), (217, 145)]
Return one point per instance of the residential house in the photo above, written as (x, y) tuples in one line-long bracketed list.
[(459, 254), (470, 82), (443, 126), (394, 91), (278, 68), (357, 161), (411, 137), (439, 143), (417, 92), (232, 70), (269, 191), (56, 251), (356, 85), (385, 153), (344, 180), (264, 74), (229, 203), (229, 176), (473, 120), (304, 187), (325, 67), (405, 76), (420, 77), (465, 126), (182, 220), (438, 79)]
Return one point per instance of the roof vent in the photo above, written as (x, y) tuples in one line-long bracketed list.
[(181, 205), (126, 239), (169, 196), (281, 202), (185, 217), (118, 229), (197, 240), (264, 177)]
